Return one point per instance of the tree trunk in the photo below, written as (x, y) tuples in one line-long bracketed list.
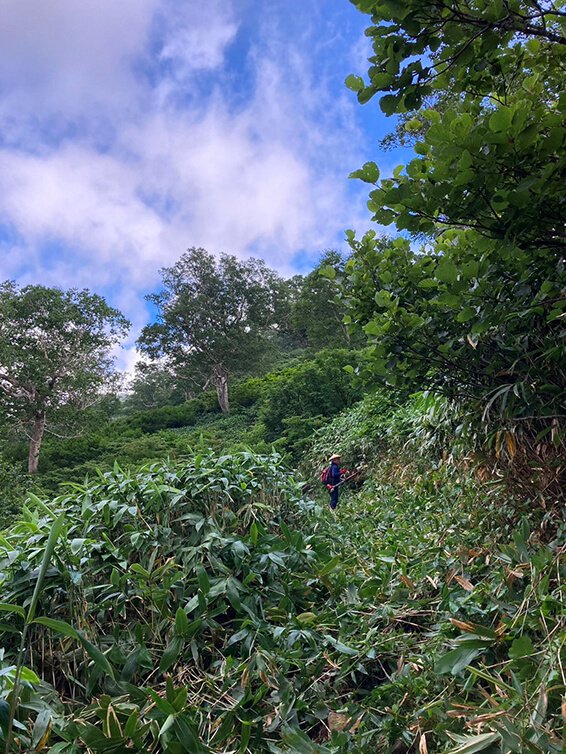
[(220, 381), (35, 442)]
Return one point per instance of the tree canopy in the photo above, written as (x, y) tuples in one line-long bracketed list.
[(214, 318), (478, 311), (152, 386), (494, 161), (317, 313), (55, 357)]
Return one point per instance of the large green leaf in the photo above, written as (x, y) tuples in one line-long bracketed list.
[(100, 659), (8, 607), (60, 626), (188, 736), (171, 653), (457, 659), (501, 119), (54, 533), (472, 744)]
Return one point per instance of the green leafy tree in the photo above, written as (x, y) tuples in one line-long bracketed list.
[(287, 338), (317, 312), (215, 318), (479, 312), (495, 161), (446, 321), (55, 358), (319, 387), (154, 386)]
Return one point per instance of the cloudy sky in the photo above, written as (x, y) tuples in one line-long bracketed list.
[(131, 130)]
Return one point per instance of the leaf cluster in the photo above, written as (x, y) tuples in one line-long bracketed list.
[(477, 313)]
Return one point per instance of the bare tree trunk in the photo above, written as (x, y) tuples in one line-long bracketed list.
[(220, 381), (35, 442)]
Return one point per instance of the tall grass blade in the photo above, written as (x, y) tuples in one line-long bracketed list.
[(49, 550)]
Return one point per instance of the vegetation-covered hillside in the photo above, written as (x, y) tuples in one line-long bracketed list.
[(281, 408), (172, 578), (204, 606)]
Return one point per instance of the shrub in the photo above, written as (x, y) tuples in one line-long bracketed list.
[(14, 486), (319, 387)]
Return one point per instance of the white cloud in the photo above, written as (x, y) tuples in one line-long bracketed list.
[(233, 190), (361, 51), (197, 36), (65, 61), (125, 359), (120, 201), (86, 201)]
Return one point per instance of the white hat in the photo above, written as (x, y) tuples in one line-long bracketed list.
[(334, 455)]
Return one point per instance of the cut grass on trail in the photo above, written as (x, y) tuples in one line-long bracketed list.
[(463, 626)]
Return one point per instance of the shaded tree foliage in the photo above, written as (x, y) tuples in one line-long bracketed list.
[(479, 312), (14, 485), (55, 358), (317, 313), (319, 387), (154, 386)]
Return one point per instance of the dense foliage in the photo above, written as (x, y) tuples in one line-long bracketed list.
[(203, 607), (208, 600), (280, 408), (55, 358), (14, 486), (478, 313), (495, 161), (155, 385), (317, 314), (453, 330)]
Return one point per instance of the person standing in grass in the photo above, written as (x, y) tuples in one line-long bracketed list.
[(333, 476)]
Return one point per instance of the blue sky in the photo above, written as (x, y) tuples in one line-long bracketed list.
[(132, 130)]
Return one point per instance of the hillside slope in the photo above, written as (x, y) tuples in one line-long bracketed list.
[(204, 606)]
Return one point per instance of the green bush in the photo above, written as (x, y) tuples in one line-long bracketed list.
[(320, 387), (282, 407), (246, 393), (168, 417), (72, 452), (14, 486), (362, 432)]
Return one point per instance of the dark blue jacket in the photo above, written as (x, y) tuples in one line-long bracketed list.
[(334, 473)]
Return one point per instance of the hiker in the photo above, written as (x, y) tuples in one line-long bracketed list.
[(333, 477)]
